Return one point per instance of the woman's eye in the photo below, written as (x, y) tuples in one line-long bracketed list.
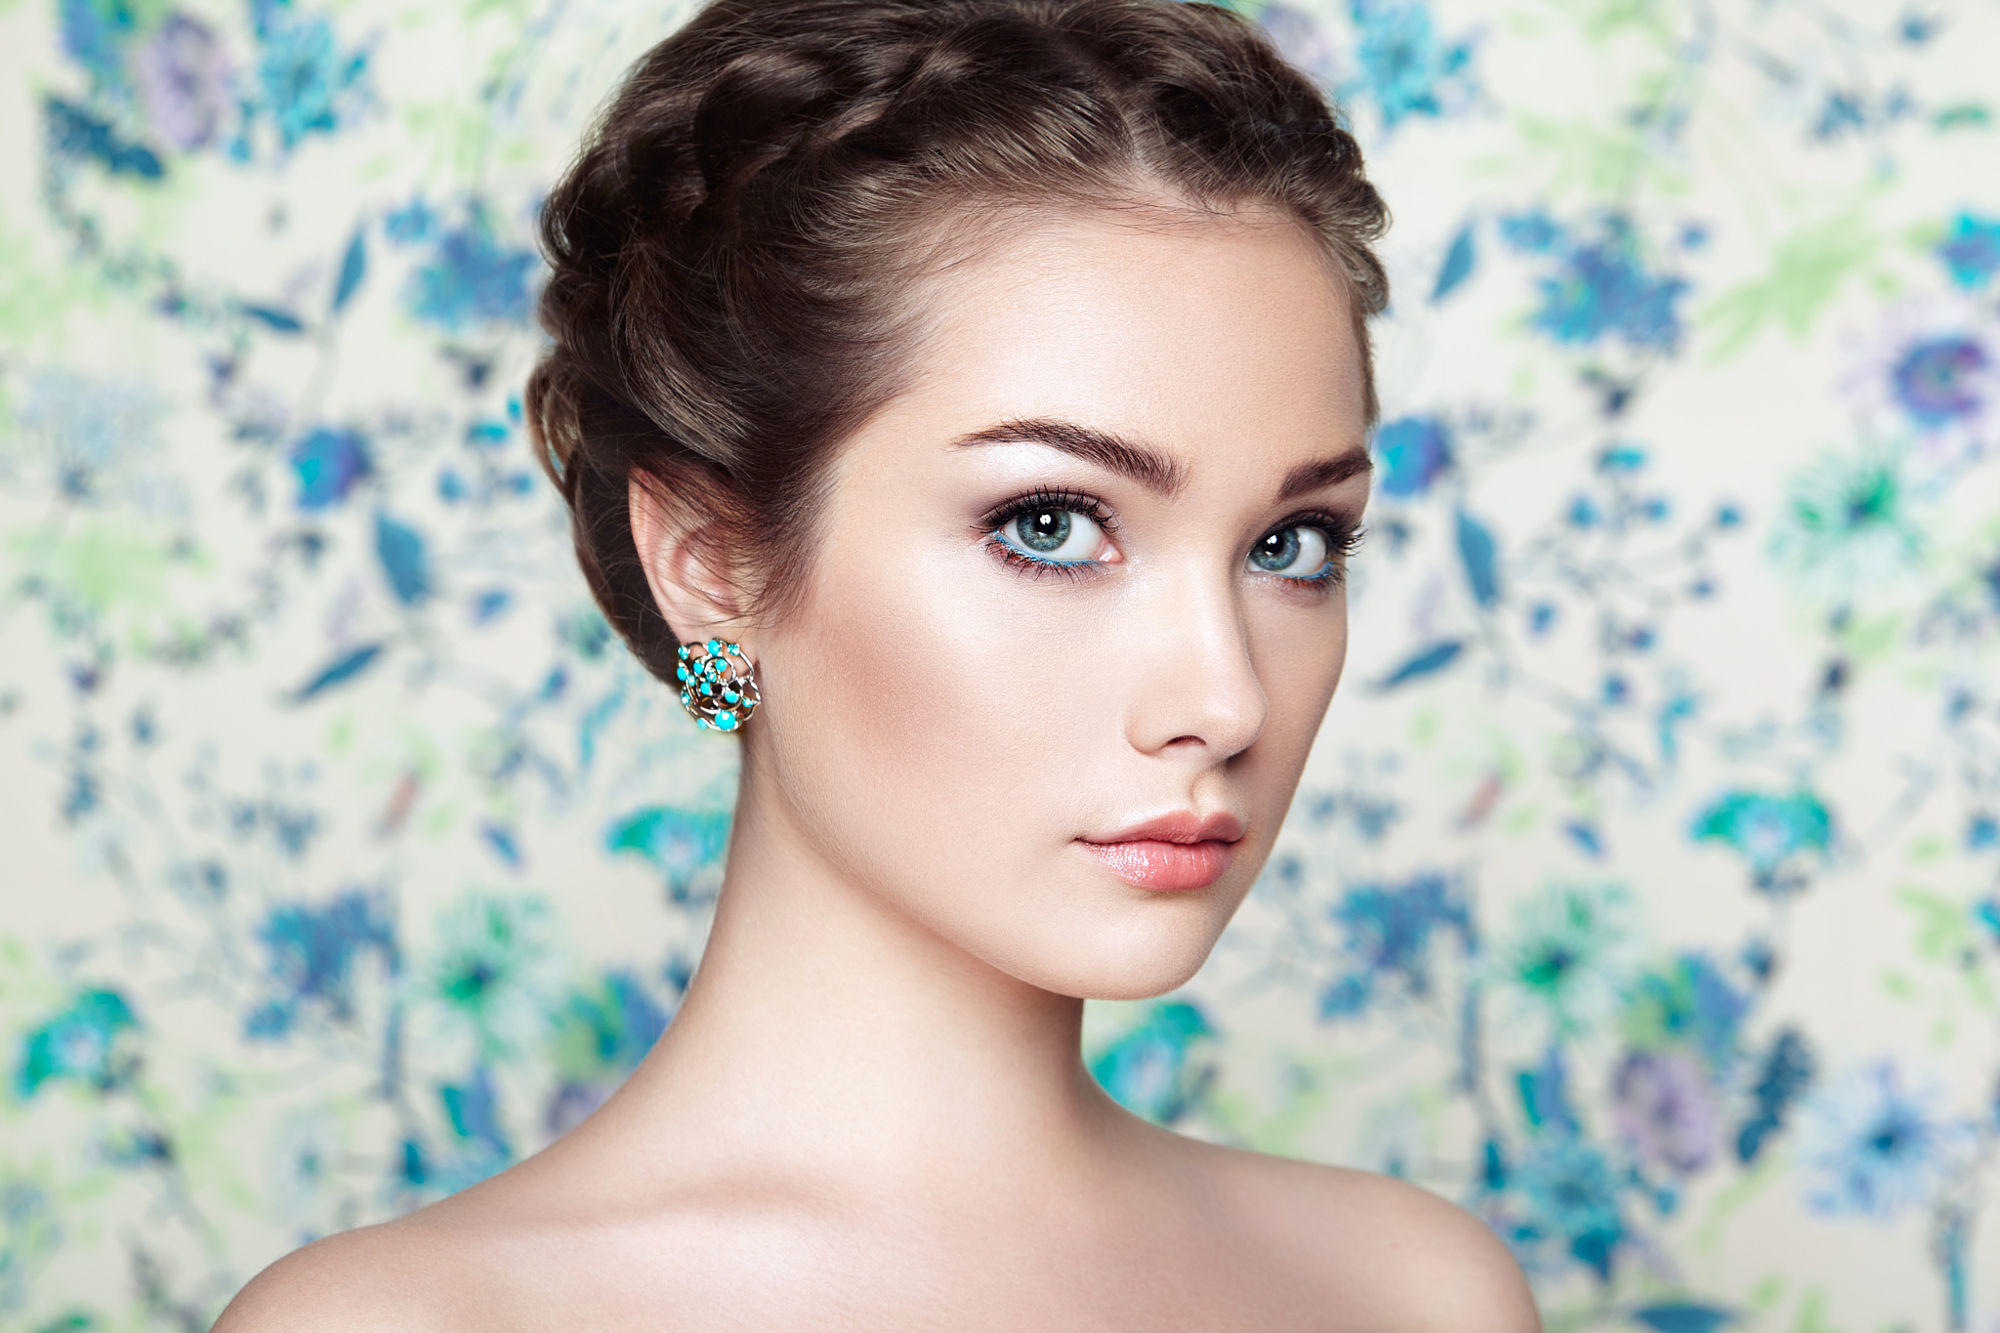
[(1050, 533), (1062, 533), (1279, 552)]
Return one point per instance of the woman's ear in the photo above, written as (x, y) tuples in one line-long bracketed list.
[(687, 565)]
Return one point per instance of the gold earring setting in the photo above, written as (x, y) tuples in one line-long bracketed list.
[(716, 694)]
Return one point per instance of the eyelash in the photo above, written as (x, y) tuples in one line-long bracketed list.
[(1342, 537)]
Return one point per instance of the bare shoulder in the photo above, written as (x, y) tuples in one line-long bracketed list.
[(1388, 1252), (374, 1277), (504, 1254)]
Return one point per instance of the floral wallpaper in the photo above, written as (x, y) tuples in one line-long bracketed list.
[(1642, 894)]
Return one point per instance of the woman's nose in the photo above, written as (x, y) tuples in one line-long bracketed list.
[(1195, 680)]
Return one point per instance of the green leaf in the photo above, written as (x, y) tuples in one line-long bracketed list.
[(1808, 270)]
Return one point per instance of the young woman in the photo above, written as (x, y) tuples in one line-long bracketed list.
[(963, 405)]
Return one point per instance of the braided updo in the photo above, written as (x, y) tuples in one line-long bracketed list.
[(739, 247)]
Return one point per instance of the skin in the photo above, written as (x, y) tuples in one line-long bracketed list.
[(871, 1109)]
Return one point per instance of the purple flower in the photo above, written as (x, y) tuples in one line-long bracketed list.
[(1666, 1109), (1929, 368), (184, 80), (1937, 378)]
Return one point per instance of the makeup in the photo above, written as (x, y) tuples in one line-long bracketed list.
[(1153, 864)]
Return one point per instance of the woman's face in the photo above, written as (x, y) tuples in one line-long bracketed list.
[(947, 718)]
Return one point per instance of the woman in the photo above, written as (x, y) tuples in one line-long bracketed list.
[(965, 404)]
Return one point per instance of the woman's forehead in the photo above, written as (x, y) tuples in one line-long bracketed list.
[(1233, 339)]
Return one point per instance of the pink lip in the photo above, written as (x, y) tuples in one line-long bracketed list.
[(1164, 865)]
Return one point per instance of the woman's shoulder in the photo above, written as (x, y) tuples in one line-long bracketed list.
[(1385, 1251), (390, 1275), (498, 1255)]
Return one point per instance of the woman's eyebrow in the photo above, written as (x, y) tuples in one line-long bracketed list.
[(1151, 467)]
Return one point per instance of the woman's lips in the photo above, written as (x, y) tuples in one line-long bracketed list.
[(1164, 865)]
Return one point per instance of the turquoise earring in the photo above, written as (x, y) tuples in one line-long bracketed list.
[(718, 698)]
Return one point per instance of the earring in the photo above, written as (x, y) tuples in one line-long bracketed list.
[(717, 698)]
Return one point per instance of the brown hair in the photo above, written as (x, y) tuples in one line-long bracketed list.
[(739, 245)]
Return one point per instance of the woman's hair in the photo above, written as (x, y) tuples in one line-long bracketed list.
[(740, 246)]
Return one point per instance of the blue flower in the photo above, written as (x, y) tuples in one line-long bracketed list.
[(1972, 250), (1148, 1069), (1853, 523), (1875, 1144), (600, 1036), (471, 279), (1767, 830), (307, 83), (679, 842), (304, 1162), (310, 954), (98, 433), (1567, 957), (1691, 1002), (79, 1044), (479, 1146), (604, 1032), (94, 33), (328, 463), (1601, 290), (1403, 65), (1389, 928), (1570, 1196), (493, 979), (1414, 452)]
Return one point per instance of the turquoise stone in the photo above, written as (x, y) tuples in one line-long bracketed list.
[(684, 652), (726, 721), (681, 671), (730, 696), (715, 645), (707, 688)]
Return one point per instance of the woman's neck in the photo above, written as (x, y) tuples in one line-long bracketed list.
[(829, 1037)]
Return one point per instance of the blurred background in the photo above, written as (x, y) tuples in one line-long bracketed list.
[(1643, 891)]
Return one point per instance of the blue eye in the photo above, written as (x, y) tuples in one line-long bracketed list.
[(1336, 537), (1041, 533), (1056, 530), (1281, 547)]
